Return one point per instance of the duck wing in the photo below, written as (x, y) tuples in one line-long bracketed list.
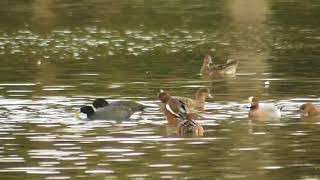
[(230, 64), (190, 103), (178, 108)]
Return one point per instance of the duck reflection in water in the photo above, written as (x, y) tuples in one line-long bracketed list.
[(178, 115), (210, 70)]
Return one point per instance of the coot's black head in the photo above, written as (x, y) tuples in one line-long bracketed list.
[(88, 110), (100, 103)]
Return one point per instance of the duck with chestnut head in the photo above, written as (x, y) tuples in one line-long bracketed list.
[(262, 110), (177, 112), (310, 109)]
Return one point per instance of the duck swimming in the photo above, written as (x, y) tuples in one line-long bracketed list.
[(262, 110), (177, 111), (229, 68), (172, 107), (199, 102), (310, 109)]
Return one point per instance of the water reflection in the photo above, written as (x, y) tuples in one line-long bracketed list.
[(251, 33), (43, 16)]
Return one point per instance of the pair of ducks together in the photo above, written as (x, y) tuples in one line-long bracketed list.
[(181, 111), (264, 111)]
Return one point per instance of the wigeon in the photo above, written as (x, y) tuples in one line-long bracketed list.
[(262, 110), (177, 111)]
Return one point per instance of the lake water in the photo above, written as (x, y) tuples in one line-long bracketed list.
[(59, 55)]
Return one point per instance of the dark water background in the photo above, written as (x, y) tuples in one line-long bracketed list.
[(58, 55)]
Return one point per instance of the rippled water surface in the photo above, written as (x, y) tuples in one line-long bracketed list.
[(59, 55)]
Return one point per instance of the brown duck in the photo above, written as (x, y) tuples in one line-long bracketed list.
[(310, 109), (177, 112), (207, 69), (194, 104)]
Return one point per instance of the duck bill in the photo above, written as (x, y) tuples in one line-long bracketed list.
[(210, 96)]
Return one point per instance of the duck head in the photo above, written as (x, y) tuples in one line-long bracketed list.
[(308, 109), (203, 93), (207, 60), (253, 101), (206, 65), (163, 96), (100, 103), (88, 110)]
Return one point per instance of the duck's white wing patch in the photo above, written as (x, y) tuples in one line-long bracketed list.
[(183, 110), (170, 110)]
